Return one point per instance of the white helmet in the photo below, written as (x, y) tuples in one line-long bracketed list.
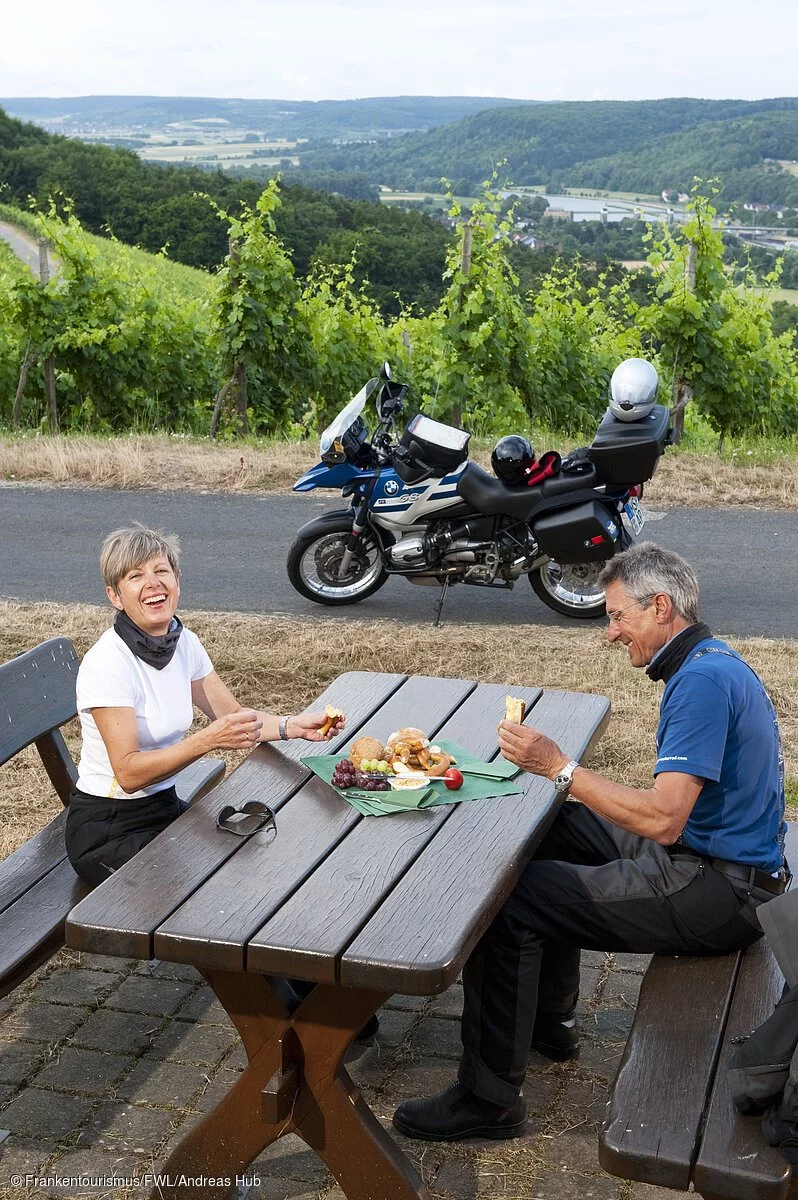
[(633, 389)]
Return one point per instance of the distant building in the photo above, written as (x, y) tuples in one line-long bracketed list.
[(559, 214)]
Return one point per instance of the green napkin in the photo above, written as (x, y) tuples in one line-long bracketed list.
[(481, 781)]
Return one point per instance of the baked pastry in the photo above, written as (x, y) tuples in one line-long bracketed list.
[(514, 710)]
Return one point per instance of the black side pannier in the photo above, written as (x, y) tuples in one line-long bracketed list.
[(583, 533), (431, 444), (627, 452)]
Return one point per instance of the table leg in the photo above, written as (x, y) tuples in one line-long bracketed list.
[(295, 1081)]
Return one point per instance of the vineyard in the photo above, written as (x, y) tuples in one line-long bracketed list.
[(121, 340)]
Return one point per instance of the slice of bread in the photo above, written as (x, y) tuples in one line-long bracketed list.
[(514, 710)]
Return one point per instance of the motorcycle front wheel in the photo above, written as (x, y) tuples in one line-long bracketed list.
[(570, 589), (313, 567)]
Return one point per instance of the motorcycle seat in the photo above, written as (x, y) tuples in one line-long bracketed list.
[(488, 495), (563, 483)]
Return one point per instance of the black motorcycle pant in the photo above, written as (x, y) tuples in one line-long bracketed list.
[(589, 886)]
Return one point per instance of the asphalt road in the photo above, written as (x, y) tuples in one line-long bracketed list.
[(234, 550), (23, 245)]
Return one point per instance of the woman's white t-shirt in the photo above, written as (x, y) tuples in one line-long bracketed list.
[(111, 676)]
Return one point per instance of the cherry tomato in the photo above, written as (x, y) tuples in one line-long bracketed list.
[(453, 779)]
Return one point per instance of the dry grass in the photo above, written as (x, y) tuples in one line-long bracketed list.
[(684, 479), (280, 664)]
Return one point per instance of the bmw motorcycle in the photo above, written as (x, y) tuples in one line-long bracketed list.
[(418, 508)]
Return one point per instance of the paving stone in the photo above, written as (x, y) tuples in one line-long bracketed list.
[(82, 1070), (395, 1024), (621, 990), (292, 1189), (543, 1088), (583, 1100), (21, 1156), (399, 1001), (289, 1158), (614, 1024), (237, 1058), (220, 1083), (574, 1150), (43, 1022), (456, 1180), (127, 1127), (632, 962), (117, 1032), (448, 1003), (163, 1083), (594, 958), (73, 986), (141, 994), (159, 969), (91, 1164), (588, 983), (7, 1090), (105, 962), (600, 1058), (205, 1045), (438, 1037), (20, 1060), (37, 1114), (203, 1006), (646, 1191), (371, 1069), (422, 1078), (564, 1185)]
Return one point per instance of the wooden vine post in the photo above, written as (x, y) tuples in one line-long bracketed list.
[(682, 392)]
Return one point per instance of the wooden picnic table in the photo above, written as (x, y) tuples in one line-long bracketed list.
[(366, 907)]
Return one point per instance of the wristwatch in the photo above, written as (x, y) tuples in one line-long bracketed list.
[(564, 778), (282, 728)]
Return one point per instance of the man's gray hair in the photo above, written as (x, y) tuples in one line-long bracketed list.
[(647, 569), (125, 549)]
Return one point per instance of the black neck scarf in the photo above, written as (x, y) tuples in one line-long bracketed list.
[(667, 661), (154, 651)]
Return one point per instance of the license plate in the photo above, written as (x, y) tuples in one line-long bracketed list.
[(634, 514)]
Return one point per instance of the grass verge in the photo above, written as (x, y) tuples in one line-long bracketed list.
[(760, 474), (281, 664)]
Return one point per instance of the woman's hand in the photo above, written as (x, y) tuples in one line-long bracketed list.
[(235, 731), (309, 726)]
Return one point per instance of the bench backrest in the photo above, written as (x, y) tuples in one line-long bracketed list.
[(37, 697)]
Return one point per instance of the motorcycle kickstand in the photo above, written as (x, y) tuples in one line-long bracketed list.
[(439, 603)]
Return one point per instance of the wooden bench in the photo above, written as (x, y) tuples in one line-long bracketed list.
[(670, 1120), (38, 886)]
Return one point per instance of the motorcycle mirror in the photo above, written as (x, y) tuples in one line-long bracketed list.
[(385, 371)]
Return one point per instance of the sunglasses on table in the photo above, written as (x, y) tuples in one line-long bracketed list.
[(253, 817)]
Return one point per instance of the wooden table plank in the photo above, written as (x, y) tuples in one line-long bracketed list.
[(652, 1125), (121, 915), (351, 883), (211, 929), (419, 938)]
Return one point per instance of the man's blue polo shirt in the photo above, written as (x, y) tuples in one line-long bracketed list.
[(717, 722)]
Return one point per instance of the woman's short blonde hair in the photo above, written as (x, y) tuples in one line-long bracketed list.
[(125, 549)]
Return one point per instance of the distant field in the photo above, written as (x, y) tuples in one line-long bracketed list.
[(788, 294), (221, 152), (438, 199), (789, 166)]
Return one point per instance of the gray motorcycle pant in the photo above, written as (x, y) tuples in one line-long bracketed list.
[(589, 886)]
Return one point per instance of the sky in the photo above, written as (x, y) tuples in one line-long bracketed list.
[(295, 50)]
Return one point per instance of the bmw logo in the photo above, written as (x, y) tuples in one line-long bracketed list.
[(391, 487)]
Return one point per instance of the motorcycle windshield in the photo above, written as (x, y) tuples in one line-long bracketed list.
[(347, 416)]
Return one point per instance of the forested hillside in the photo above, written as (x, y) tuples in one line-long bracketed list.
[(379, 116), (142, 204), (599, 144)]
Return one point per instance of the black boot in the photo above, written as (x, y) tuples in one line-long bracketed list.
[(458, 1113), (556, 1036)]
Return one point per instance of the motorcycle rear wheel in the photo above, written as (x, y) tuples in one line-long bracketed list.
[(313, 567), (570, 589)]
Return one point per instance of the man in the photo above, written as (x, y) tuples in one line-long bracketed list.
[(676, 868)]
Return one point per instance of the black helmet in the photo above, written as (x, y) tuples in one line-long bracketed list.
[(511, 458)]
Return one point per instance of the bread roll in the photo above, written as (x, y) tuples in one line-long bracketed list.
[(514, 710)]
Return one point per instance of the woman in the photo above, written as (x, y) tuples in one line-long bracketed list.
[(136, 688)]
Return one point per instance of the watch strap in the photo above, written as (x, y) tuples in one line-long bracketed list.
[(282, 728)]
